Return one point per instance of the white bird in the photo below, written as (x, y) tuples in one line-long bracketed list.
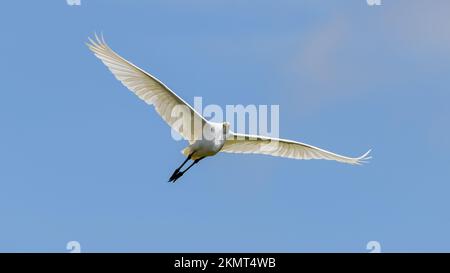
[(154, 92)]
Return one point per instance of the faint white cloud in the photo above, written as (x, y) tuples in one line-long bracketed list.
[(324, 70), (421, 29), (419, 24), (348, 55), (318, 55)]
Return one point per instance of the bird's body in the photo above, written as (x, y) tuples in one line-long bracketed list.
[(210, 137), (207, 146)]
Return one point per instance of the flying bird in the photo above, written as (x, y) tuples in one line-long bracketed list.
[(151, 90)]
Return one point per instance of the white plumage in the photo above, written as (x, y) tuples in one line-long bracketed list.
[(241, 143), (154, 92)]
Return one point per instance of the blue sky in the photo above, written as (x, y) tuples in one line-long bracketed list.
[(83, 159)]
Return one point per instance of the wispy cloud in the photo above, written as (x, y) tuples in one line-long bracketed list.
[(350, 55), (317, 58), (325, 69), (419, 24)]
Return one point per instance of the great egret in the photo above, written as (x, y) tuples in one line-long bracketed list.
[(154, 92)]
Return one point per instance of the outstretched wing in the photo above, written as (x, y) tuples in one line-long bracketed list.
[(241, 143), (152, 91)]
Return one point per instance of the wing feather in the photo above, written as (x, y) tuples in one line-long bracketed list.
[(242, 143), (148, 88)]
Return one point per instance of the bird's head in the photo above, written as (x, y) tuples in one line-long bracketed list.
[(226, 127)]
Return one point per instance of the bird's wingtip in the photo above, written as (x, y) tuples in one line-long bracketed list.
[(97, 41), (364, 158)]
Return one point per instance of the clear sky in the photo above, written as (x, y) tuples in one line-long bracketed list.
[(82, 158)]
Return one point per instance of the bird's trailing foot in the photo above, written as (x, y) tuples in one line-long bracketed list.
[(176, 174), (174, 177)]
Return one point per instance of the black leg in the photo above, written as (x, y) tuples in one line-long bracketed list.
[(180, 174), (177, 170)]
